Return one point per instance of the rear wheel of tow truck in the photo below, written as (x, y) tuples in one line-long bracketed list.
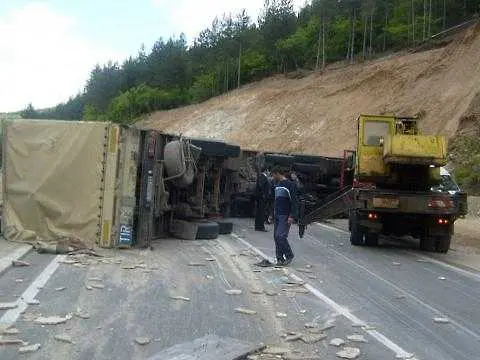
[(442, 243), (371, 239), (356, 231), (427, 243)]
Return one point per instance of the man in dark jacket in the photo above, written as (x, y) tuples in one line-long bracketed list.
[(285, 214), (262, 192)]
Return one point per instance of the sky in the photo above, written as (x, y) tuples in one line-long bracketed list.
[(48, 47)]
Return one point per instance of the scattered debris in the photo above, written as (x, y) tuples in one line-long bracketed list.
[(209, 277), (298, 290), (196, 264), (293, 337), (349, 353), (256, 270), (20, 263), (313, 338), (301, 357), (82, 314), (441, 320), (142, 340), (128, 267), (61, 288), (29, 348), (357, 338), (33, 302), (337, 342), (329, 324), (88, 287), (180, 298), (310, 325), (302, 311), (394, 263), (245, 311), (11, 331), (8, 306), (292, 281), (280, 315), (98, 286), (64, 338), (10, 342), (304, 270), (271, 292), (276, 350), (233, 292), (210, 259), (53, 320), (442, 278), (308, 266), (256, 291)]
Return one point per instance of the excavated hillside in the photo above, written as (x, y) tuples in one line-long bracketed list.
[(316, 114)]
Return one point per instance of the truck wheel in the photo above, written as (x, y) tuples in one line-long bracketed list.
[(371, 239), (442, 243), (207, 230), (427, 243), (356, 231), (225, 227)]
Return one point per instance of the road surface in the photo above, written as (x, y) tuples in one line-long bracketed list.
[(176, 293)]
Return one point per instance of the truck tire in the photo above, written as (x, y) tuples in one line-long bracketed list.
[(207, 230), (225, 227), (356, 231), (442, 243), (427, 243), (371, 239)]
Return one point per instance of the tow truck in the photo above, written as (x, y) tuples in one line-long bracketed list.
[(397, 171)]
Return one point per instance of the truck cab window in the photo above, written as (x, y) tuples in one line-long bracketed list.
[(374, 131)]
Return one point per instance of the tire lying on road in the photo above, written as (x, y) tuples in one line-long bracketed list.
[(225, 227), (207, 230)]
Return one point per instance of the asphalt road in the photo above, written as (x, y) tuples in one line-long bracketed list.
[(392, 291)]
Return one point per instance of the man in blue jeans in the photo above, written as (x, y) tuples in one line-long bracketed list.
[(285, 213)]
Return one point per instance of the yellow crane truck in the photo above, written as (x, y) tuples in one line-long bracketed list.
[(395, 169)]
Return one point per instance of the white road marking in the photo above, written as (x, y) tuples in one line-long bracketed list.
[(430, 259), (400, 290), (12, 315), (399, 352), (332, 228)]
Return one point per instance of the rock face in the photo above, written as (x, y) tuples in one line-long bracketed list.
[(303, 115)]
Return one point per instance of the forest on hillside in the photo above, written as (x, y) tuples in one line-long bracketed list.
[(236, 50)]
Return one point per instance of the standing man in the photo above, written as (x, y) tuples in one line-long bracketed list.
[(285, 213), (262, 192)]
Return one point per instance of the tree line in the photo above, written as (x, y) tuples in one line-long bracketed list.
[(235, 50)]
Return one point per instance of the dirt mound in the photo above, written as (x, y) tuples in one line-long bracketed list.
[(316, 114)]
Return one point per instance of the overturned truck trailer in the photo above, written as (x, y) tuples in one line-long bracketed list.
[(91, 184), (88, 184)]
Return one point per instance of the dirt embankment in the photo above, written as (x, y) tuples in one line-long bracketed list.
[(317, 114)]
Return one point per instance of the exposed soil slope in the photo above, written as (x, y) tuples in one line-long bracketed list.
[(317, 114)]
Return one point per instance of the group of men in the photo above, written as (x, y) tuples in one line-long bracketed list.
[(276, 202)]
